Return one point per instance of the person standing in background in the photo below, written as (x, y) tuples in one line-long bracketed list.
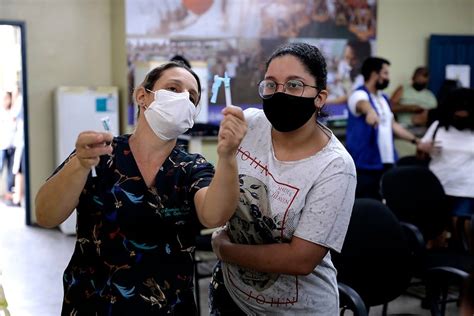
[(7, 148), (19, 163), (371, 127), (449, 142)]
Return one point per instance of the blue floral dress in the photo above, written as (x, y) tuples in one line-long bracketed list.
[(133, 254)]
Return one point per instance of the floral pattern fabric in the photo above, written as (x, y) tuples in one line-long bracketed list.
[(134, 248)]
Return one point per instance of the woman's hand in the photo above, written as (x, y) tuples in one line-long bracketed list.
[(219, 239), (232, 130), (431, 148), (90, 146)]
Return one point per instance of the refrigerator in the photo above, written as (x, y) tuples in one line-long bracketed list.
[(79, 109)]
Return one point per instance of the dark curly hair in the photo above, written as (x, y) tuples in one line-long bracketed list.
[(461, 99), (309, 55)]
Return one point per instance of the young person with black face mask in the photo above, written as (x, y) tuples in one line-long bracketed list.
[(371, 127), (411, 103), (138, 217), (297, 186), (450, 144)]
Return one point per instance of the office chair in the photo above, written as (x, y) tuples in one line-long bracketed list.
[(439, 270), (350, 300), (204, 261), (416, 196), (411, 161), (375, 259)]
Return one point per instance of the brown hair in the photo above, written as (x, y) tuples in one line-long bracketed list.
[(155, 74)]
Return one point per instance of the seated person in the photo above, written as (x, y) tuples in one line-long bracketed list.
[(411, 103)]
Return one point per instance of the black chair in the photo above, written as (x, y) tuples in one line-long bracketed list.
[(375, 259), (416, 196), (411, 161), (204, 261), (439, 279), (350, 300), (438, 270)]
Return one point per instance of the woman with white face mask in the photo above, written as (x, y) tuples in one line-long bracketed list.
[(138, 218)]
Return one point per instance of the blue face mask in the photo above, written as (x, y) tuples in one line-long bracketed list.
[(287, 112)]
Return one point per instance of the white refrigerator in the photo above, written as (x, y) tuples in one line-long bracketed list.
[(78, 109)]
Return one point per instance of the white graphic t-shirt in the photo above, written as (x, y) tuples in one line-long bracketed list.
[(311, 198)]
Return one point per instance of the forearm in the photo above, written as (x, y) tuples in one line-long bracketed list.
[(269, 258), (58, 197), (284, 258), (405, 108), (402, 133), (222, 194)]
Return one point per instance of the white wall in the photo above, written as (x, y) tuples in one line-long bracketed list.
[(404, 28), (82, 42), (68, 43)]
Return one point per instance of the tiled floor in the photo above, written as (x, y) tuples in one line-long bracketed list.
[(32, 260)]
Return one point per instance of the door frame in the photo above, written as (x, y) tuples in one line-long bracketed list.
[(24, 85)]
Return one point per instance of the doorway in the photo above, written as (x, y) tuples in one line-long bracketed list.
[(14, 186)]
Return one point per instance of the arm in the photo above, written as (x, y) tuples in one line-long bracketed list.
[(371, 117), (217, 203), (333, 196), (402, 133), (405, 108), (57, 198), (299, 257)]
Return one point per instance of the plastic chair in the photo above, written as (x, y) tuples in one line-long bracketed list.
[(375, 259)]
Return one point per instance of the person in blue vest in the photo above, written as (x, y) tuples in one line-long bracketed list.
[(371, 127)]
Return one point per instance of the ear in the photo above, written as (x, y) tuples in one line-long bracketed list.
[(321, 99), (140, 96)]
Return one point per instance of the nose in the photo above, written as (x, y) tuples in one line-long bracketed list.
[(278, 87)]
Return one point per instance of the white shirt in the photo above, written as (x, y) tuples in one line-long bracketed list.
[(454, 164), (385, 132)]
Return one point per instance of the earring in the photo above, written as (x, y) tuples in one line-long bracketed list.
[(318, 112)]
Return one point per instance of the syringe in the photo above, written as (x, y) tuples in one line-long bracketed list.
[(106, 124), (215, 88)]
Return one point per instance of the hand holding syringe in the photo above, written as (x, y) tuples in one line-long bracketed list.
[(106, 124)]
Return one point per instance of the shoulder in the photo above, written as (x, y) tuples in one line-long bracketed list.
[(255, 117), (359, 95), (251, 114), (341, 160), (192, 161), (355, 97), (335, 160)]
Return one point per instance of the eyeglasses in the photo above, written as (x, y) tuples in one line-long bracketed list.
[(267, 88)]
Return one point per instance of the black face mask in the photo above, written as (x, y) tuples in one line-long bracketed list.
[(382, 85), (287, 112), (461, 123), (419, 86)]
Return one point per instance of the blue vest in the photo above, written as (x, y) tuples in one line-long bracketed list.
[(361, 140)]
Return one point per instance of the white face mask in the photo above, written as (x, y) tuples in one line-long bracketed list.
[(171, 114)]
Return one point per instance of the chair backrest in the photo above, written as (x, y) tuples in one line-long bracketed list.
[(375, 259), (416, 196), (411, 161)]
